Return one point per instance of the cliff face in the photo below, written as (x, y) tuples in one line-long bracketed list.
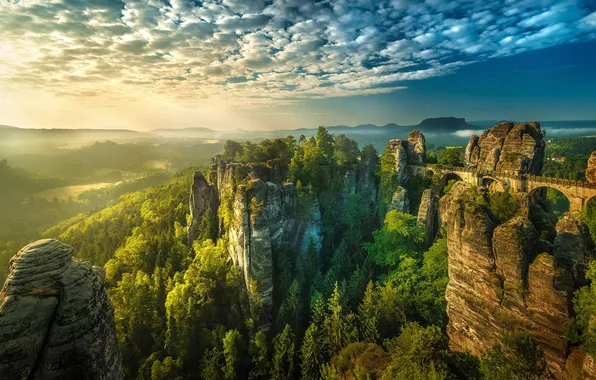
[(499, 281), (56, 321), (408, 152), (508, 147), (203, 197), (428, 215)]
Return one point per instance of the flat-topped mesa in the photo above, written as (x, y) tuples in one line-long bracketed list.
[(500, 278), (508, 147), (408, 152), (56, 320)]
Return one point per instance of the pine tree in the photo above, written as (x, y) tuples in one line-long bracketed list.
[(260, 360), (338, 327), (317, 309), (283, 355), (311, 353), (232, 353), (368, 316), (211, 365)]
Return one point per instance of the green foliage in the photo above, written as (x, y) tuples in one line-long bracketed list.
[(338, 327), (368, 315), (233, 355), (360, 361), (346, 152), (311, 353), (584, 305), (399, 238), (503, 205), (259, 355), (417, 353), (284, 367), (388, 175), (517, 356), (450, 157)]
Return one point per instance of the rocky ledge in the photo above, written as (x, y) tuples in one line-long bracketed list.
[(56, 321)]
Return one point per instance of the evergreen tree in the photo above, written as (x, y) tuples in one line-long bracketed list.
[(317, 309), (260, 360), (311, 353), (211, 365), (232, 354), (283, 355), (338, 327), (368, 316)]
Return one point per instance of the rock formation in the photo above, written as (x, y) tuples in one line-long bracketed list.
[(400, 200), (508, 147), (56, 321), (499, 281), (428, 215), (203, 203), (591, 169), (408, 152)]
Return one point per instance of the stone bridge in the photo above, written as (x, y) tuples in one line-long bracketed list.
[(577, 192)]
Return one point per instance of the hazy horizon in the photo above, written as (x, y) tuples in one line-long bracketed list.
[(269, 65)]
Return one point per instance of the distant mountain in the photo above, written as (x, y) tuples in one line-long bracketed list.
[(7, 127), (193, 132)]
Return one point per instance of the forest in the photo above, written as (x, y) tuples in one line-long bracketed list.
[(370, 305)]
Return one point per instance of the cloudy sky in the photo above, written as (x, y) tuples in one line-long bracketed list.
[(271, 64)]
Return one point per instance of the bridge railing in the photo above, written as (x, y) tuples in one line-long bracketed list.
[(506, 174)]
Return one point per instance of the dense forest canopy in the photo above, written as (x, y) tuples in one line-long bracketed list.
[(369, 305)]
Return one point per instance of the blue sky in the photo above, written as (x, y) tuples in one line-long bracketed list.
[(268, 64)]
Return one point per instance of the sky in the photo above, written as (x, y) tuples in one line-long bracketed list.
[(284, 64)]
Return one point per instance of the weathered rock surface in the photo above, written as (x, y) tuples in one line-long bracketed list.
[(428, 215), (573, 247), (498, 281), (203, 200), (367, 183), (591, 169), (56, 321), (508, 147), (400, 200), (408, 152), (580, 366)]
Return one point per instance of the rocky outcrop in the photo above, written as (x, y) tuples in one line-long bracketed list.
[(508, 147), (408, 152), (573, 247), (499, 281), (367, 183), (428, 215), (580, 366), (56, 321), (203, 202), (591, 169), (400, 200)]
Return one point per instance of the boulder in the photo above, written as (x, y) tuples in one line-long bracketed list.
[(56, 320)]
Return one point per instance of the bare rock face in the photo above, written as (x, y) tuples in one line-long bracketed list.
[(573, 247), (56, 321), (428, 215), (367, 183), (591, 169), (508, 147), (416, 148), (498, 281), (408, 152), (203, 197), (580, 366), (400, 201)]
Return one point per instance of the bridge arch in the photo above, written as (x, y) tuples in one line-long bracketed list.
[(445, 179), (493, 184), (558, 202)]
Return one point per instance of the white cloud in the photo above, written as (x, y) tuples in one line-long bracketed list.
[(272, 51)]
